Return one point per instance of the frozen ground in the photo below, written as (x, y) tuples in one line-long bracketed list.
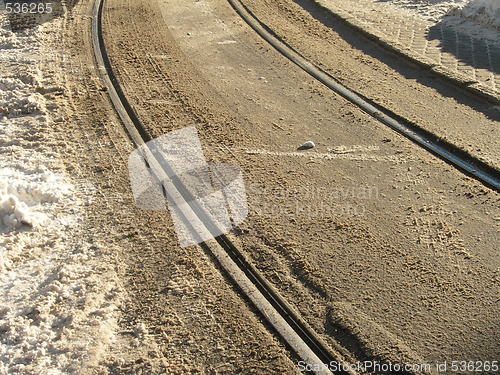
[(59, 302)]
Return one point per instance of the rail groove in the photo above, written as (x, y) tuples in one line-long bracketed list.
[(446, 151), (287, 322)]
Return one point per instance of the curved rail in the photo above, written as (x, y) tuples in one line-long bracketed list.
[(446, 151), (278, 312)]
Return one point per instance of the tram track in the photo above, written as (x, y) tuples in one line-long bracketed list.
[(287, 322), (223, 249), (446, 151)]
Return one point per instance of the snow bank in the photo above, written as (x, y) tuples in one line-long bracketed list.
[(486, 12), (433, 10), (14, 103), (60, 300), (23, 196)]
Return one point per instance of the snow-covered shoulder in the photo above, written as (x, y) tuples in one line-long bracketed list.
[(59, 302)]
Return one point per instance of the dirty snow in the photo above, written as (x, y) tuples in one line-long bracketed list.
[(59, 302), (433, 10), (22, 196), (484, 12)]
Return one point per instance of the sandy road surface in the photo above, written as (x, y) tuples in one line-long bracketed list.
[(418, 96), (176, 313), (388, 252), (364, 228)]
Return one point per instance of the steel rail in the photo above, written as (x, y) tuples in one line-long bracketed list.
[(287, 322), (446, 151)]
